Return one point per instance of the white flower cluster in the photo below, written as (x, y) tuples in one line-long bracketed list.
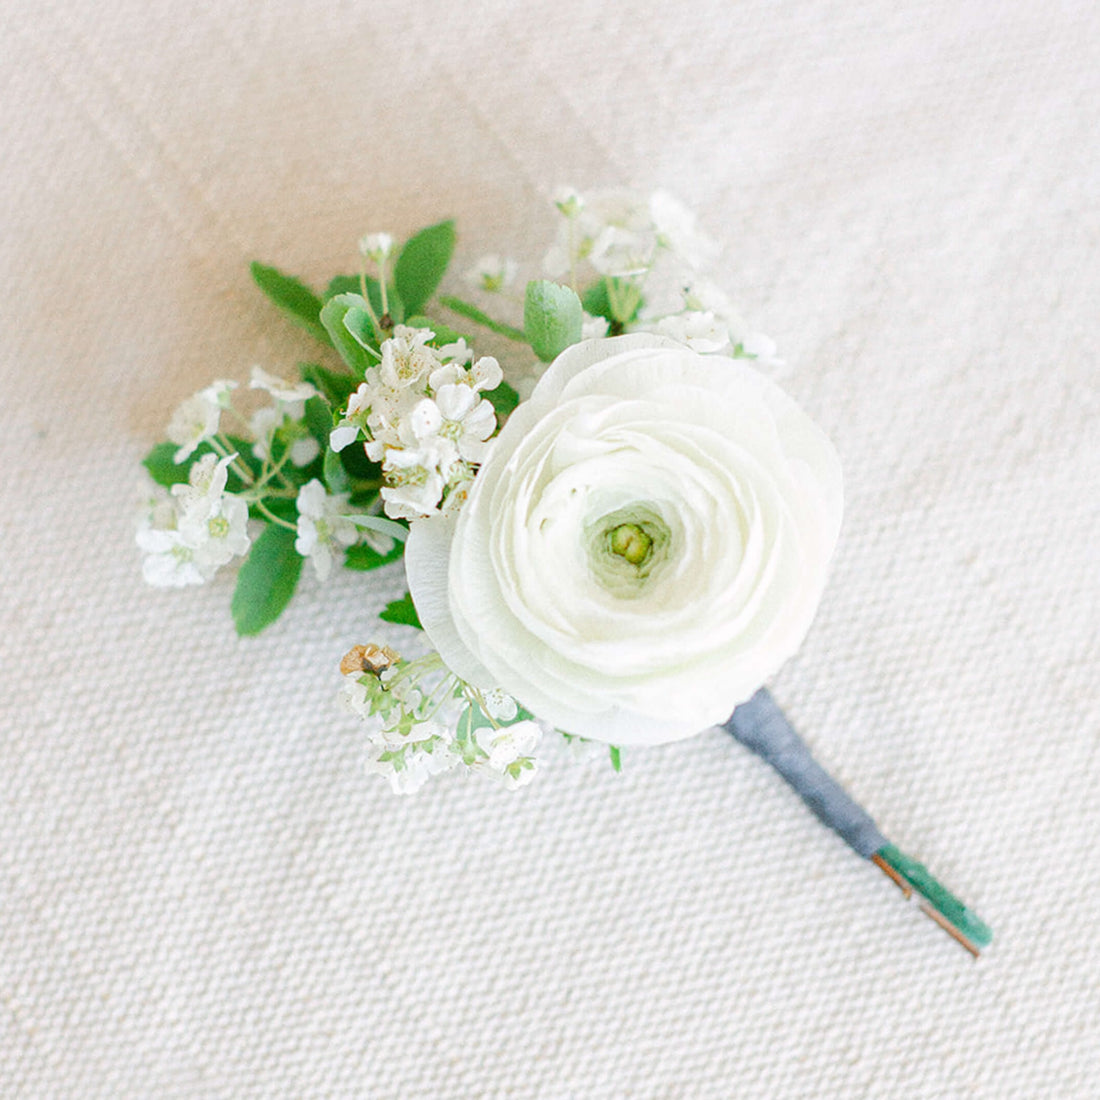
[(652, 255), (421, 412), (188, 535), (432, 722)]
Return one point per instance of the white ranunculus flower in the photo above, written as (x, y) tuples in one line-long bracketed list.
[(646, 543)]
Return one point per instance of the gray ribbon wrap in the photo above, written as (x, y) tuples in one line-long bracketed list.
[(759, 724)]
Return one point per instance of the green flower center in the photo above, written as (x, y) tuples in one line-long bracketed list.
[(631, 542), (626, 546)]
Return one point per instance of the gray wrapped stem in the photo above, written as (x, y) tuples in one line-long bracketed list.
[(759, 724)]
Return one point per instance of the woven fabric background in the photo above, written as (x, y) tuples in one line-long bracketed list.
[(201, 892)]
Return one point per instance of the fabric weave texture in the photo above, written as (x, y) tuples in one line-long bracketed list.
[(201, 892)]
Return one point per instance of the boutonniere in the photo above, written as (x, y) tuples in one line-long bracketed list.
[(615, 536)]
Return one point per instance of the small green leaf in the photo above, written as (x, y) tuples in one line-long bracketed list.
[(552, 318), (422, 264), (361, 557), (359, 466), (318, 418), (161, 464), (504, 399), (336, 386), (293, 297), (162, 467), (266, 580), (596, 302), (336, 477), (616, 759), (401, 611), (351, 347)]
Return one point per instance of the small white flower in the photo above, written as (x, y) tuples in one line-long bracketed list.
[(263, 423), (198, 418), (701, 331), (504, 745), (169, 561), (484, 375), (188, 538), (205, 483), (406, 358), (621, 253), (212, 522), (762, 350), (458, 353), (466, 421), (323, 528), (376, 246), (568, 200), (415, 482), (423, 421), (499, 705), (409, 767), (676, 231), (492, 273), (219, 537), (593, 328), (289, 394)]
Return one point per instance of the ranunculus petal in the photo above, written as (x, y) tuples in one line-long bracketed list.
[(732, 495)]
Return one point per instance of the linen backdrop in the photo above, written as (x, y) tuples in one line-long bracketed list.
[(201, 892)]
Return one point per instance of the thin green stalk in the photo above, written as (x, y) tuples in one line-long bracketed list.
[(225, 449), (274, 518), (480, 317)]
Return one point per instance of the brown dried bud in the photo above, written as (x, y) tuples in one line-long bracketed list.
[(368, 658)]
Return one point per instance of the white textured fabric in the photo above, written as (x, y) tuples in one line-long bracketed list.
[(201, 893)]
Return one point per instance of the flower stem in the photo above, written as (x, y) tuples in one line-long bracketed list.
[(480, 317), (225, 449), (761, 726), (278, 520)]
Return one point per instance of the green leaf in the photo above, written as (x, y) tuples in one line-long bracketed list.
[(266, 580), (318, 418), (350, 339), (551, 318), (162, 467), (422, 263), (336, 477), (359, 466), (293, 297), (161, 464), (401, 611), (596, 302), (504, 399), (362, 557), (616, 758), (336, 386)]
